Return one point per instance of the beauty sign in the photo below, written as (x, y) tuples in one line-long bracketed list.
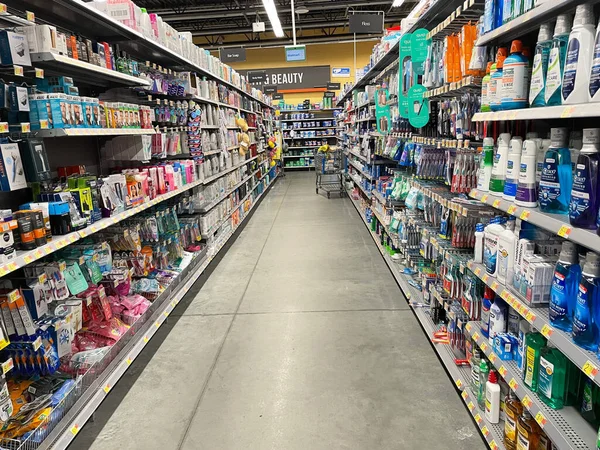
[(382, 111)]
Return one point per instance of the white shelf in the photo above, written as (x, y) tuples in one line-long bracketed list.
[(224, 195), (359, 186), (308, 120), (70, 132), (298, 167), (305, 146), (548, 112), (329, 136), (359, 169), (358, 155), (297, 156), (308, 129), (231, 169)]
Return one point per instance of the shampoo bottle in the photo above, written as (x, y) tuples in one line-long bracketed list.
[(556, 60), (499, 167), (515, 79), (506, 251), (496, 80), (492, 398), (585, 194), (585, 320), (557, 179), (533, 349), (537, 91), (563, 293), (580, 50), (513, 164), (527, 194)]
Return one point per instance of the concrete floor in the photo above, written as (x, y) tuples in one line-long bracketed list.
[(299, 339)]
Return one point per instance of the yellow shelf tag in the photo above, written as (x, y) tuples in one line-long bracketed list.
[(525, 214), (502, 371), (513, 384), (564, 231), (590, 369), (496, 203), (512, 209), (547, 330), (541, 419)]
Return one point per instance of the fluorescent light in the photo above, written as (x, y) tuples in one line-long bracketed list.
[(273, 17), (397, 3)]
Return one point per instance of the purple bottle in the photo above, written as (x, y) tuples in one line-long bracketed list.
[(585, 194)]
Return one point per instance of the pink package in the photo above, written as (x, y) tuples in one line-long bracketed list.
[(169, 178), (160, 172)]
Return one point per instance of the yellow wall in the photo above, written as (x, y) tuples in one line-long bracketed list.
[(334, 55)]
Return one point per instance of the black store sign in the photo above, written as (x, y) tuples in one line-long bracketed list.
[(232, 54), (269, 89), (366, 23), (333, 86), (278, 96), (287, 78), (329, 94), (257, 77)]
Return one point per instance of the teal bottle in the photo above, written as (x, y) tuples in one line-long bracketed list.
[(563, 293), (557, 177), (496, 80), (585, 320), (556, 60), (537, 90)]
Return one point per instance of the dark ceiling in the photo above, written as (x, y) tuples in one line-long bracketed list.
[(228, 23)]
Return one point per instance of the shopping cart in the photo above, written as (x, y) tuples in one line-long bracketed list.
[(328, 167)]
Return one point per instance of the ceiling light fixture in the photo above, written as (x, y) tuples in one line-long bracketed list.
[(273, 17), (397, 3), (301, 9)]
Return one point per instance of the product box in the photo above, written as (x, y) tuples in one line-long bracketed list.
[(60, 111), (18, 98), (14, 49), (12, 173), (505, 345), (35, 160)]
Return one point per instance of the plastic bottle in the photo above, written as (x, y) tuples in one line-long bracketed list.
[(506, 251), (492, 398), (485, 165), (524, 330), (557, 178), (515, 79), (585, 320), (486, 304), (528, 432), (556, 60), (533, 348), (479, 233), (496, 80), (513, 165), (508, 11), (498, 313), (552, 377), (499, 168), (575, 144), (513, 409), (527, 194), (475, 361), (537, 91), (590, 402), (498, 8), (485, 85), (513, 322), (585, 194), (490, 246), (504, 390), (595, 70), (484, 370), (488, 15), (576, 78), (146, 24), (565, 282)]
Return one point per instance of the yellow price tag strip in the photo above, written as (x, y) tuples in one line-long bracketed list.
[(484, 198), (471, 406), (564, 231), (493, 445), (478, 418), (527, 402), (512, 209), (468, 326), (476, 336), (541, 419), (485, 430), (107, 388), (75, 429), (525, 214), (18, 70), (530, 317), (494, 286), (496, 203), (30, 16), (25, 127), (39, 73), (493, 357), (478, 271), (464, 395), (459, 383), (547, 330), (513, 384), (590, 369), (7, 366), (502, 371)]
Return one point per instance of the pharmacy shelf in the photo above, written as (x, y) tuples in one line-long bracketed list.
[(24, 258), (531, 20), (63, 434), (225, 194), (585, 360), (84, 71), (359, 186), (461, 375), (546, 113), (555, 223), (283, 111), (305, 146), (308, 129), (308, 120), (71, 132), (358, 155), (565, 427), (82, 18), (231, 169), (467, 84), (390, 57), (368, 119), (298, 167), (311, 137), (209, 127), (469, 11), (438, 12), (359, 169), (298, 156)]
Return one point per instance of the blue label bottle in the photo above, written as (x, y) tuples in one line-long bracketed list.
[(556, 60), (557, 177), (585, 320), (565, 282), (537, 90), (585, 195)]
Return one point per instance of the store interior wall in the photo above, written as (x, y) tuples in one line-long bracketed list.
[(333, 55)]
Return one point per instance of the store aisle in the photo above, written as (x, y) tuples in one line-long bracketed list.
[(299, 339)]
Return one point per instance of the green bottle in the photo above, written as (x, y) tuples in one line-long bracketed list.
[(552, 377), (533, 349), (484, 371), (485, 86), (590, 402)]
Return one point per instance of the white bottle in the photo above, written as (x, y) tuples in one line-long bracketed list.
[(492, 398), (580, 50), (527, 193), (498, 316), (479, 233), (595, 70), (506, 252), (490, 246), (513, 164), (485, 165), (499, 168)]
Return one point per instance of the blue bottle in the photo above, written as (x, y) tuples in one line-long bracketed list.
[(565, 281), (537, 90), (495, 88), (585, 195), (585, 320), (515, 79), (498, 13), (556, 60), (557, 177)]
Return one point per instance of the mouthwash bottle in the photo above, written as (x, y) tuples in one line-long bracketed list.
[(484, 371), (565, 281), (513, 409), (524, 331), (528, 432), (557, 179), (499, 167), (485, 85), (590, 402), (486, 164), (515, 78), (475, 362), (537, 91), (552, 378), (585, 194), (585, 320), (533, 349), (556, 60), (496, 80)]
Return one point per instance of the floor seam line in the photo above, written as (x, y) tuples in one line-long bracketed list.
[(218, 354), (407, 308)]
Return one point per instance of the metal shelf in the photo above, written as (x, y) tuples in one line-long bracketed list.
[(329, 136), (461, 375), (358, 155), (224, 195), (357, 183), (65, 431), (298, 167), (231, 169), (362, 172), (547, 112), (565, 427), (307, 146), (308, 129), (71, 132), (469, 11), (585, 360), (298, 156), (555, 223), (437, 12), (84, 71), (467, 84), (309, 110), (531, 20), (307, 120)]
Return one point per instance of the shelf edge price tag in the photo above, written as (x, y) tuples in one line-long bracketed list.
[(484, 198), (541, 419), (502, 370), (485, 430), (564, 231), (7, 365), (106, 388), (478, 418), (3, 8), (513, 384), (527, 402), (75, 429), (496, 203), (30, 16), (18, 70), (525, 214), (39, 73), (471, 406), (458, 383), (590, 369), (547, 330), (511, 209), (25, 127)]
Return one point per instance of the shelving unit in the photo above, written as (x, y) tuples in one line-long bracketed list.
[(545, 113)]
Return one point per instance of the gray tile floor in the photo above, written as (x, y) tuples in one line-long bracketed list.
[(299, 339)]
